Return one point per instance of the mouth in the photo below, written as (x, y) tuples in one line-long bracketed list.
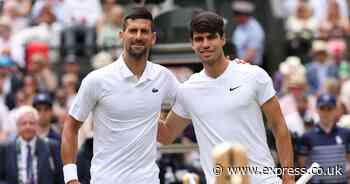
[(206, 53)]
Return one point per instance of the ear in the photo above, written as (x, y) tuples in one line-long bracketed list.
[(154, 38), (121, 35), (223, 39)]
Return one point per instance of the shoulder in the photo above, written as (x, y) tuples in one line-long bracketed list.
[(253, 72)]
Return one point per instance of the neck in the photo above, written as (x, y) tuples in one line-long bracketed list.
[(44, 130), (216, 68), (327, 127), (136, 65)]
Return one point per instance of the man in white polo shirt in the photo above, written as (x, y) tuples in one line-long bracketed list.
[(225, 102), (125, 99)]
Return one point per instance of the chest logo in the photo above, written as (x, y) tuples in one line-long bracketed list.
[(234, 88), (154, 90)]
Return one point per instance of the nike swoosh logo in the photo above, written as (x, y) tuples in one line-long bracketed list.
[(154, 90), (231, 89)]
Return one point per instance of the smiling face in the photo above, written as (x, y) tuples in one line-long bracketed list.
[(208, 46), (138, 37)]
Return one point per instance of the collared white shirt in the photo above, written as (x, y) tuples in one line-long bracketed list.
[(22, 159), (125, 113), (228, 109)]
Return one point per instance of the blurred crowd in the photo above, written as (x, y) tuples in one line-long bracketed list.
[(47, 47)]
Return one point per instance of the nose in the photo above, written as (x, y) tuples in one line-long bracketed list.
[(206, 43)]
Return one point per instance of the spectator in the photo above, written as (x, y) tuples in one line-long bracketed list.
[(248, 37), (109, 28), (42, 102), (5, 35), (46, 30), (17, 12), (334, 25), (42, 73), (29, 158), (326, 144), (301, 28), (70, 83), (320, 68)]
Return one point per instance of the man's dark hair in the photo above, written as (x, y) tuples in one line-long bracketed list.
[(207, 22), (138, 13)]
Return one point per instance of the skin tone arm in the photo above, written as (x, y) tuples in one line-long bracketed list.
[(171, 128), (69, 142), (273, 113)]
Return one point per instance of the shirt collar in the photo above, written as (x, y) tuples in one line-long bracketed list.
[(25, 143), (320, 129), (149, 72)]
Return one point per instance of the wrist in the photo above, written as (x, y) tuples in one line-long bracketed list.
[(70, 172)]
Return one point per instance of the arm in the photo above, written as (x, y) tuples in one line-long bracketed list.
[(169, 129), (69, 141), (276, 122)]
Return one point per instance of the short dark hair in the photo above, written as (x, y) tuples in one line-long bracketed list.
[(138, 13), (207, 22)]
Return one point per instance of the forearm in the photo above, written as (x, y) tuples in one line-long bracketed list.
[(165, 135), (69, 144), (284, 149)]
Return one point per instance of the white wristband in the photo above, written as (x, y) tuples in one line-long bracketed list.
[(70, 172)]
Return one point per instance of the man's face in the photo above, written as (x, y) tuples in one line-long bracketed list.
[(327, 114), (45, 114), (208, 46), (138, 37), (27, 126)]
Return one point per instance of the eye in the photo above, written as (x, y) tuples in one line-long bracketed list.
[(198, 39)]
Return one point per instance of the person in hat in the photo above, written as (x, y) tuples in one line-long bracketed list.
[(320, 68), (42, 102), (326, 144), (249, 36)]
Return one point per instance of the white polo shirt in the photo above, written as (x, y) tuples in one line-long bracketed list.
[(125, 115), (227, 109)]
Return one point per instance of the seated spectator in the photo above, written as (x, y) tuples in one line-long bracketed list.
[(41, 71), (249, 36), (334, 25), (336, 49), (301, 28), (5, 35), (17, 12), (46, 30), (42, 102), (302, 120), (107, 32), (29, 158), (320, 67), (326, 144)]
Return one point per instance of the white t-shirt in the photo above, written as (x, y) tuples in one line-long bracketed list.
[(125, 113), (227, 109)]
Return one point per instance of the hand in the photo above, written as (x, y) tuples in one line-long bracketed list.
[(73, 182), (240, 61), (288, 180)]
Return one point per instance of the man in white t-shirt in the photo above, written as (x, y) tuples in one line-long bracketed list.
[(125, 99), (225, 102)]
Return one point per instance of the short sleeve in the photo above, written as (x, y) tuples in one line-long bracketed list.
[(303, 147), (85, 99), (264, 86), (172, 86), (179, 106)]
